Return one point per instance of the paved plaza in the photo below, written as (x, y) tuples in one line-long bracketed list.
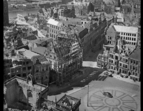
[(126, 96), (121, 101)]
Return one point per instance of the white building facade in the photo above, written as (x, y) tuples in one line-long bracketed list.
[(54, 27)]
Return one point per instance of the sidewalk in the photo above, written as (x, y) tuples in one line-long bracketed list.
[(90, 64), (126, 79)]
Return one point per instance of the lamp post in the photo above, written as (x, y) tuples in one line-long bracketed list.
[(88, 95)]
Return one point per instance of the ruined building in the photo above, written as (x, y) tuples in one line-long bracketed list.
[(5, 13), (24, 67)]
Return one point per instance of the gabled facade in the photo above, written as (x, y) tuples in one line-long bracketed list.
[(110, 35), (64, 56), (127, 34), (22, 93), (123, 66), (135, 65), (113, 60)]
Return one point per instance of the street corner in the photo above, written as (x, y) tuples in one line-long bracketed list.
[(110, 100)]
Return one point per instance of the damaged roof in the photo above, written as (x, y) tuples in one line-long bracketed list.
[(136, 54)]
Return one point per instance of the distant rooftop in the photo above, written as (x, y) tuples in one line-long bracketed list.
[(27, 53), (136, 54), (24, 81), (31, 37), (68, 101), (39, 50), (53, 22), (125, 29)]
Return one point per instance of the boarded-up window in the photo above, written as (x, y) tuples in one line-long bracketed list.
[(29, 93)]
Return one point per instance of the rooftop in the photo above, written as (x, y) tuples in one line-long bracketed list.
[(53, 22), (68, 101), (109, 45), (125, 29), (136, 54), (27, 53), (21, 80), (39, 50), (31, 37)]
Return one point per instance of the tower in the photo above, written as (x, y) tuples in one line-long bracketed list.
[(5, 13)]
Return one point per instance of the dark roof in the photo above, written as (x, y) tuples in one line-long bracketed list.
[(70, 101), (20, 78), (31, 37), (17, 104), (24, 46), (136, 55)]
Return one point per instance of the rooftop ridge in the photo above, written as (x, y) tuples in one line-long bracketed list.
[(17, 77)]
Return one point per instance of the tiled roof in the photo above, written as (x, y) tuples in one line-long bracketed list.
[(136, 54)]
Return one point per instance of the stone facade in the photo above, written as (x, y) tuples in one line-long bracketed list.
[(25, 67)]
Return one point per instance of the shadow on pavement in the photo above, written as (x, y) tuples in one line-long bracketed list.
[(55, 90)]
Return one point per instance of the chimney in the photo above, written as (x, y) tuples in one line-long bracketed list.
[(119, 3)]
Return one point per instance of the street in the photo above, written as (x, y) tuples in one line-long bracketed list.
[(88, 45), (81, 81)]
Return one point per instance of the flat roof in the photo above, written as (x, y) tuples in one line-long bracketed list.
[(109, 45), (53, 22), (29, 54), (125, 29), (39, 50)]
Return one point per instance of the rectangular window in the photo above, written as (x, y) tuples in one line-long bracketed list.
[(24, 68), (120, 64), (29, 68), (29, 93), (24, 75), (37, 70), (116, 57), (19, 75)]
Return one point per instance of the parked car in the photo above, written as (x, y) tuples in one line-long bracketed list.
[(83, 80), (107, 94)]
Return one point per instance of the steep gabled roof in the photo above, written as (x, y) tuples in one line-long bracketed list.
[(136, 55)]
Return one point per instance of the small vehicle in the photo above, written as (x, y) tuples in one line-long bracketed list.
[(83, 80), (131, 110), (107, 94)]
